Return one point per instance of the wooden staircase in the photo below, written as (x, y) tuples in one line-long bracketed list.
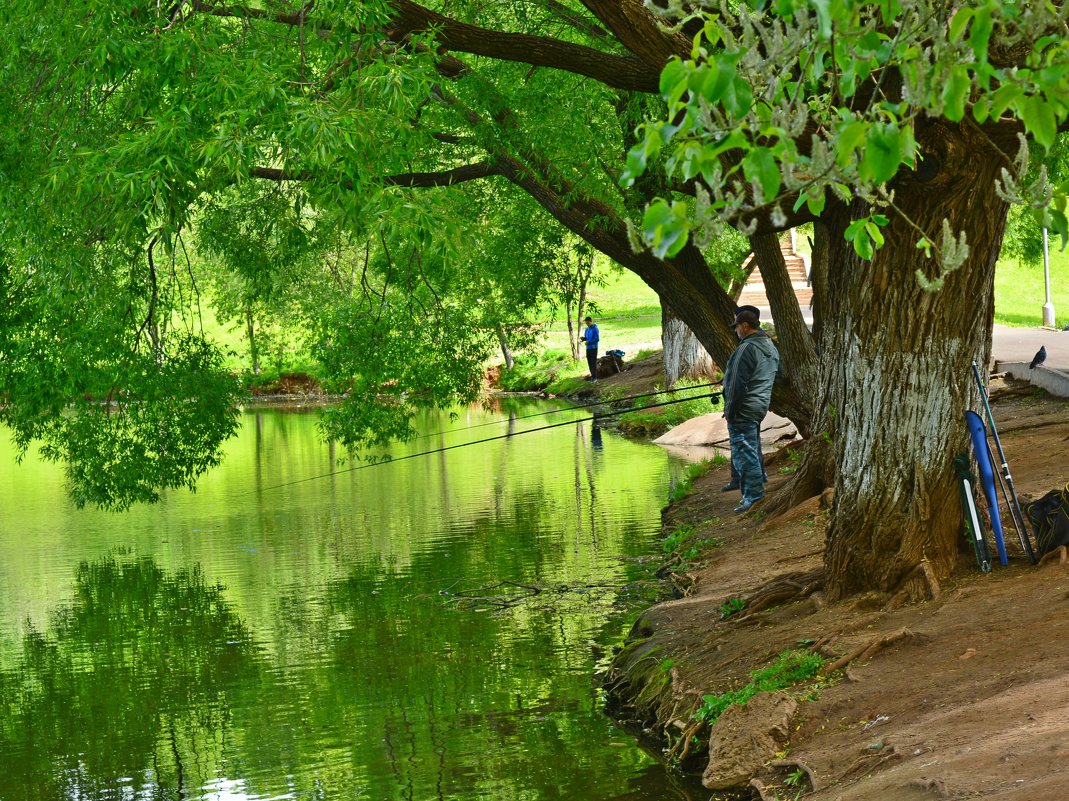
[(753, 293)]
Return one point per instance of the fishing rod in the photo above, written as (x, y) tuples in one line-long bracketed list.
[(592, 418), (1015, 508), (574, 408)]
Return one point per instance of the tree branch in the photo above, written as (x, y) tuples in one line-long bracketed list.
[(619, 72), (409, 18), (639, 30), (424, 180)]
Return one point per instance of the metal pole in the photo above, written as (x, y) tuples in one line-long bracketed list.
[(1048, 307)]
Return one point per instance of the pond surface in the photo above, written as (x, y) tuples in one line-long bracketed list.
[(427, 629)]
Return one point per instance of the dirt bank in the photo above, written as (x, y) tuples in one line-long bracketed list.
[(963, 696)]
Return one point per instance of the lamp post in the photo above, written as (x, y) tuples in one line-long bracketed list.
[(1048, 307)]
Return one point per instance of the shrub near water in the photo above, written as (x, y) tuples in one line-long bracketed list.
[(654, 421), (789, 669), (537, 371), (685, 486)]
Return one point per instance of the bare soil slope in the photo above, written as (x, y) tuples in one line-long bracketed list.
[(962, 696)]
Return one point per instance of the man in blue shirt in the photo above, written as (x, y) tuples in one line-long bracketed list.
[(591, 336)]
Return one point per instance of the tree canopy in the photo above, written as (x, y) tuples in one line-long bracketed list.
[(331, 129)]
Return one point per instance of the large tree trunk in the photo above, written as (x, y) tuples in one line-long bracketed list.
[(896, 371), (684, 355)]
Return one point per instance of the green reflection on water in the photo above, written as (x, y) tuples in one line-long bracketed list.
[(427, 629)]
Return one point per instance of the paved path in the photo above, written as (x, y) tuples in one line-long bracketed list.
[(1008, 343), (1020, 345)]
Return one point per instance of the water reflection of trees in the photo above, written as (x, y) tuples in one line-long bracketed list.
[(126, 689), (147, 684)]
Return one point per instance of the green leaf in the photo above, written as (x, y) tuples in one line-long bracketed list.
[(665, 228), (674, 80), (761, 166), (883, 153), (1003, 98), (980, 33), (671, 75), (955, 93), (959, 22), (823, 8), (1039, 120), (874, 233), (715, 81), (863, 246), (849, 141)]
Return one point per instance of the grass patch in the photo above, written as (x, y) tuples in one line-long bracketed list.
[(1020, 294), (655, 421), (788, 670), (536, 371), (732, 606), (685, 544), (685, 485), (623, 333)]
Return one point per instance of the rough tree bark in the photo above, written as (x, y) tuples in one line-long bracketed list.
[(683, 353), (896, 370)]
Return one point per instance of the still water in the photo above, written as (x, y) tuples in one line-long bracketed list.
[(427, 629)]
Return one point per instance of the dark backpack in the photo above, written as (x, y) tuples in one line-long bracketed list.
[(1050, 520)]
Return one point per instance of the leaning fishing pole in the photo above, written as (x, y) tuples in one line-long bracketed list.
[(578, 407), (1016, 514)]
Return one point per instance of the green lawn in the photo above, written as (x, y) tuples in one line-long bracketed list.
[(1019, 291)]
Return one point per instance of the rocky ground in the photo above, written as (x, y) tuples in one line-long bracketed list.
[(963, 696)]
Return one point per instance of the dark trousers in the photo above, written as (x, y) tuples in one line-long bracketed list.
[(745, 440), (760, 458), (592, 361)]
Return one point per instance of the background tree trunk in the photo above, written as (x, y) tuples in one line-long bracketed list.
[(798, 355), (684, 356), (573, 335), (896, 371), (254, 345), (506, 351), (818, 276)]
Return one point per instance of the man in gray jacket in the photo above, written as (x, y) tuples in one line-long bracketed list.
[(748, 380)]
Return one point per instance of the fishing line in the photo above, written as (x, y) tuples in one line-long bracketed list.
[(593, 419), (574, 408)]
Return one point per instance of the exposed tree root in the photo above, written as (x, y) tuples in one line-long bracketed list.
[(797, 763), (867, 650), (1059, 554), (869, 762), (764, 793), (785, 588), (681, 750), (904, 592)]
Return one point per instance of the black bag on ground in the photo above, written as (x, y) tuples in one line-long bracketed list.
[(1050, 520)]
